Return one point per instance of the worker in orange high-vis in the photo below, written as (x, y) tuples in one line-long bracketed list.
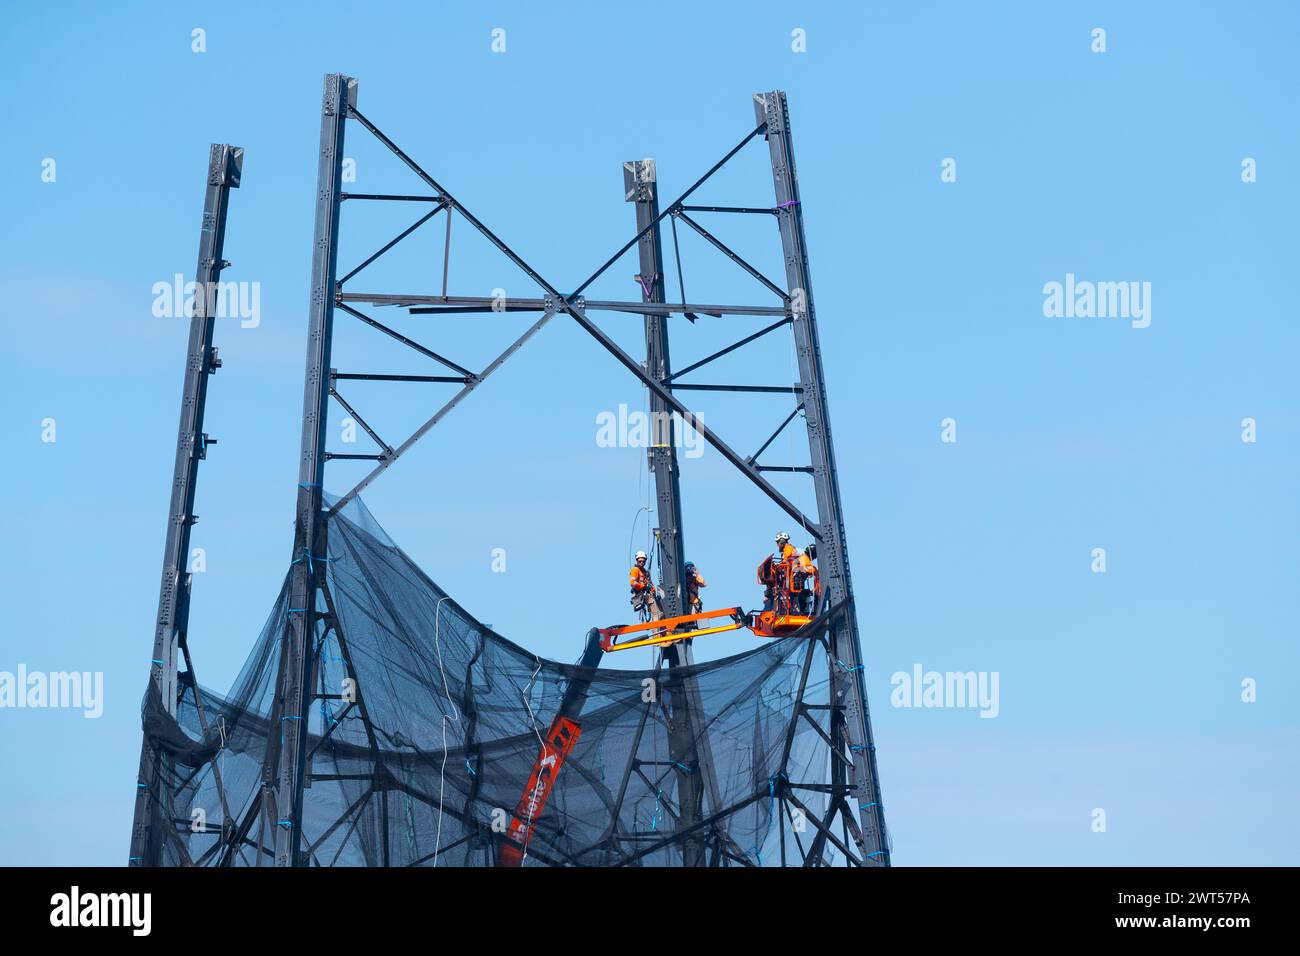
[(644, 598), (694, 581), (785, 551), (774, 573), (805, 577)]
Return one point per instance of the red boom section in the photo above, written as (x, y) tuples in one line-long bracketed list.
[(556, 745)]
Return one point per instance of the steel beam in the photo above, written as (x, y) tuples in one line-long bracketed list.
[(442, 412), (395, 240), (225, 167), (850, 719), (729, 349), (294, 683), (657, 388), (458, 304), (676, 202), (640, 187), (729, 253)]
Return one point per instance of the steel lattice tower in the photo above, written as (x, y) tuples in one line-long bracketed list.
[(853, 823)]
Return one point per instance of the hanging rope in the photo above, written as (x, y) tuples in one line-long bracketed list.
[(442, 770), (631, 538), (532, 718)]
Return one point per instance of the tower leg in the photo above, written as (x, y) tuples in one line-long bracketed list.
[(152, 804), (853, 749), (294, 691), (688, 738)]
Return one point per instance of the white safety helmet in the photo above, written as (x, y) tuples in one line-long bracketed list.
[(782, 537), (640, 555)]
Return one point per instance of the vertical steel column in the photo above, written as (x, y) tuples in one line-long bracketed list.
[(294, 682), (850, 718), (687, 736), (639, 186), (225, 165)]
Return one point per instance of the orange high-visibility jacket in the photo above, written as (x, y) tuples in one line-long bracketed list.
[(799, 569), (639, 579), (807, 568), (788, 553), (693, 584)]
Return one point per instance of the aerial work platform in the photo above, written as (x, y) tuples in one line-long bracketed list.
[(669, 630)]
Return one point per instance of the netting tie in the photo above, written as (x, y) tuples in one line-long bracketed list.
[(868, 806), (291, 718), (678, 763), (847, 669), (875, 853), (470, 769), (156, 661), (788, 203), (284, 823), (297, 610), (771, 790)]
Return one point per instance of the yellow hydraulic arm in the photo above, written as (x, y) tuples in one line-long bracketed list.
[(669, 629)]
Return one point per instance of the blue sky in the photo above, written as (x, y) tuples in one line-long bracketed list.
[(1119, 691)]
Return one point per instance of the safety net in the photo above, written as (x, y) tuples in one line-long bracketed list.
[(428, 727)]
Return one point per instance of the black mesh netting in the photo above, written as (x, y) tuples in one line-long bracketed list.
[(428, 766)]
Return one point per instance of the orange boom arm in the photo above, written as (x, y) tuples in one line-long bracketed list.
[(558, 742)]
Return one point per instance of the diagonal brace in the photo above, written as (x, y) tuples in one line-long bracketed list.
[(730, 348), (733, 256), (395, 240), (441, 413), (405, 341), (632, 365), (360, 421)]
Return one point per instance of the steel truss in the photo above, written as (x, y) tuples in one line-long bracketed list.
[(851, 828)]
